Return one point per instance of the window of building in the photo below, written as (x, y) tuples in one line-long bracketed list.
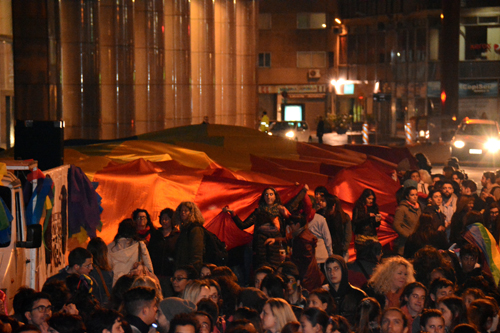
[(342, 50), (311, 59), (311, 20), (265, 22), (265, 60)]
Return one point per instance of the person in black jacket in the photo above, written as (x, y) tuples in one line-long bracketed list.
[(365, 215), (345, 295)]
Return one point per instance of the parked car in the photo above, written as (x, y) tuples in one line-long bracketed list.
[(476, 140), (293, 130)]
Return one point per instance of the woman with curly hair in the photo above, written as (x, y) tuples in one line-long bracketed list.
[(389, 280), (144, 224), (276, 314), (190, 244), (365, 216)]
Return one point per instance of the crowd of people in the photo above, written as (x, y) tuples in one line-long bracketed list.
[(295, 276)]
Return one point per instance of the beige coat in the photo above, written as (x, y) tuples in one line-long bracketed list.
[(124, 254)]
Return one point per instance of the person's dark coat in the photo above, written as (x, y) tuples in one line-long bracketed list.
[(364, 224), (304, 256), (438, 218), (162, 252), (190, 245), (346, 297)]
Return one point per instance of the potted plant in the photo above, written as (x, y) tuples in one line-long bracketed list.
[(340, 122)]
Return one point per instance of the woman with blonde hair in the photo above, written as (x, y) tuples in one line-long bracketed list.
[(196, 290), (389, 280), (190, 244), (150, 282), (276, 314)]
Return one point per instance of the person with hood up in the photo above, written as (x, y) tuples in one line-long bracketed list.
[(345, 295), (406, 218)]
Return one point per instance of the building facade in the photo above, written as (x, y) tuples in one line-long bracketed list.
[(427, 63), (296, 58), (113, 69)]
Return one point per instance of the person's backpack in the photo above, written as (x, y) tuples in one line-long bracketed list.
[(215, 250)]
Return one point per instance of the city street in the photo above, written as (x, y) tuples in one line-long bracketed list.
[(438, 154)]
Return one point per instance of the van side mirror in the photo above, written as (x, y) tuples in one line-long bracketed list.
[(33, 237)]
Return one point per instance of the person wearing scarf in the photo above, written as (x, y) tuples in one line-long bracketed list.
[(406, 218)]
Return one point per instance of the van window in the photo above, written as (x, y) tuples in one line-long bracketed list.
[(5, 216)]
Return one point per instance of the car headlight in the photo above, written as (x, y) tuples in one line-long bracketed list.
[(459, 144), (289, 134), (421, 133), (492, 145), (269, 133)]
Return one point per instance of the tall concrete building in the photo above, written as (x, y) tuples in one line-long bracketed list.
[(116, 68), (296, 58), (427, 63)]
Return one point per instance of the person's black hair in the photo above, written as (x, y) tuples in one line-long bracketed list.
[(325, 297), (123, 284), (469, 250), (212, 320), (20, 302), (298, 218), (473, 217), (317, 316), (440, 283), (78, 256), (340, 324), (464, 328), (136, 212), (490, 176), (469, 183), (479, 312), (136, 298), (102, 319), (229, 294), (8, 320), (58, 292), (275, 286), (67, 323), (126, 229), (453, 162), (368, 250), (184, 319), (253, 298), (361, 202), (428, 314), (264, 269), (168, 211), (459, 174), (191, 272), (210, 307), (458, 310), (262, 200), (423, 162), (407, 190), (289, 268), (405, 319), (367, 312), (424, 261), (251, 315), (321, 189), (409, 290), (438, 175)]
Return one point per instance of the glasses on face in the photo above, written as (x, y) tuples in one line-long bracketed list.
[(177, 278), (43, 308)]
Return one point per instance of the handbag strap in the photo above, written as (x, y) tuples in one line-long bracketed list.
[(102, 279), (139, 258)]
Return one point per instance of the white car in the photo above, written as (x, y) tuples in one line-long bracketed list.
[(476, 140), (293, 130)]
